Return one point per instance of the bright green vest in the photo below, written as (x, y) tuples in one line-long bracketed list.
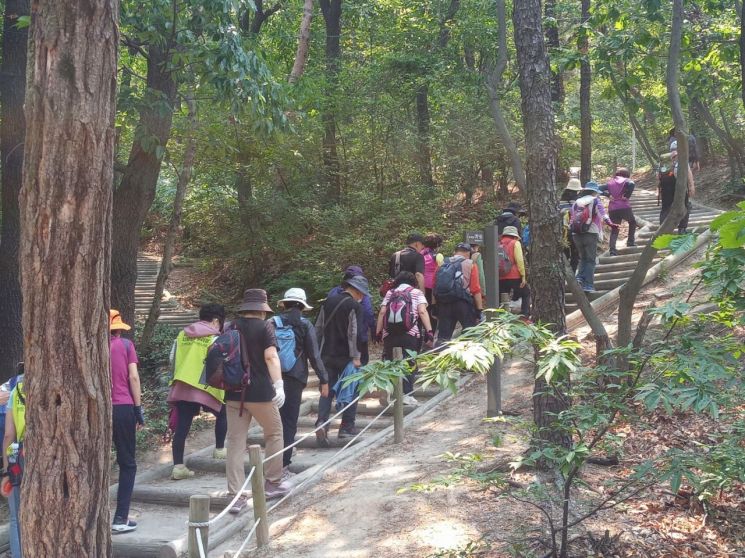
[(188, 363), (19, 411)]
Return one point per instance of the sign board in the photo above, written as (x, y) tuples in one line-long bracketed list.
[(475, 237)]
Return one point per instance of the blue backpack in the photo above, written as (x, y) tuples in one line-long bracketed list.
[(287, 344), (449, 285)]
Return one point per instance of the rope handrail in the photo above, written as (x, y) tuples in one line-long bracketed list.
[(200, 544), (222, 514)]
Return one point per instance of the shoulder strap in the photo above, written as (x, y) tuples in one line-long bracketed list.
[(397, 267), (327, 321), (277, 321)]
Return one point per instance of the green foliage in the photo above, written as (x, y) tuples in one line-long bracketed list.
[(155, 359), (677, 243)]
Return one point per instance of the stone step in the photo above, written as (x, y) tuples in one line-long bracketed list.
[(369, 408), (307, 423), (610, 275)]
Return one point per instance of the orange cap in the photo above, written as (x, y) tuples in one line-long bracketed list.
[(116, 322)]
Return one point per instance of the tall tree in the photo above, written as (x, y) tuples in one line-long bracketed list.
[(552, 39), (331, 10), (546, 264), (64, 253), (585, 117), (12, 136)]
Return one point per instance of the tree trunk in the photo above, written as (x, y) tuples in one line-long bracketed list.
[(12, 136), (546, 265), (552, 40), (136, 191), (730, 144), (584, 100), (742, 53), (303, 44), (66, 205), (331, 10), (424, 149), (184, 176)]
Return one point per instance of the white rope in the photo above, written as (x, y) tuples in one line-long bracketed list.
[(200, 544), (248, 538), (238, 494)]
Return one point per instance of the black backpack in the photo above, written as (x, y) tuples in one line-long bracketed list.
[(449, 282)]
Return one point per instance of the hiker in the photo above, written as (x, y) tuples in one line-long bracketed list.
[(566, 201), (432, 260), (127, 417), (336, 330), (587, 217), (367, 325), (409, 259), (14, 432), (512, 276), (693, 158), (297, 341), (620, 188), (260, 399), (509, 218), (403, 315), (457, 293), (188, 396), (666, 190), (478, 262)]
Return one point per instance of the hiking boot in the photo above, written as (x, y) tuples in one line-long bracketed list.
[(219, 453), (322, 437), (347, 432), (613, 252), (287, 474), (120, 525), (631, 244), (180, 472), (276, 489), (410, 400), (239, 505)]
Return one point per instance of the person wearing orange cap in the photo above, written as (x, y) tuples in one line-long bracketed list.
[(127, 417)]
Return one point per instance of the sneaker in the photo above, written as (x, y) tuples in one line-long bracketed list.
[(526, 320), (219, 453), (322, 437), (239, 505), (287, 474), (123, 526), (180, 472), (276, 489), (588, 289), (347, 432), (630, 244), (410, 400), (613, 252)]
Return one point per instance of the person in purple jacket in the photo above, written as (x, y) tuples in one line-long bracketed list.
[(367, 323), (620, 188)]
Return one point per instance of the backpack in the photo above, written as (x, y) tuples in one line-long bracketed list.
[(287, 342), (400, 316), (226, 365), (503, 259), (582, 217), (449, 282)]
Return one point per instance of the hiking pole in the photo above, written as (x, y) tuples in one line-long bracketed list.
[(398, 404)]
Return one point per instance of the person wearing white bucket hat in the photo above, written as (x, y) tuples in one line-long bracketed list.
[(298, 344)]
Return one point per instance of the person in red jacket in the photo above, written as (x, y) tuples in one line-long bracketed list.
[(514, 279)]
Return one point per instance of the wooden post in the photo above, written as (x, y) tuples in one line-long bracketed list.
[(398, 406), (199, 512), (258, 495), (493, 297)]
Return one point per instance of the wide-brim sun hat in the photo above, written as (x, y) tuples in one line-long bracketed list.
[(296, 294), (510, 231), (359, 283), (254, 300), (591, 186), (115, 321), (574, 185)]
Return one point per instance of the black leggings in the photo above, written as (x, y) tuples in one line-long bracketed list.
[(185, 413)]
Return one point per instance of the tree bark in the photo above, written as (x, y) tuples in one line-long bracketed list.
[(552, 39), (424, 149), (66, 203), (584, 100), (331, 10), (742, 52), (136, 191), (12, 136), (184, 177), (731, 145), (303, 45), (546, 265)]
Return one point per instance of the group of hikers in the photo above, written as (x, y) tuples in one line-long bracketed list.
[(424, 299)]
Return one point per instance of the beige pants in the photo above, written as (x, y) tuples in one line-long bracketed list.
[(267, 415)]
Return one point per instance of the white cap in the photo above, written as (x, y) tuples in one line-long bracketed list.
[(297, 295)]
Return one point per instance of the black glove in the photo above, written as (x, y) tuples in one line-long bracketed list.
[(139, 415), (429, 336)]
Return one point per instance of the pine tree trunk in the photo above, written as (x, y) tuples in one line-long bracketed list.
[(423, 135), (585, 117), (66, 203), (331, 10), (552, 39), (12, 136), (545, 276)]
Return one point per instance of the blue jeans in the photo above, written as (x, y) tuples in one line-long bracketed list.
[(587, 247), (14, 502)]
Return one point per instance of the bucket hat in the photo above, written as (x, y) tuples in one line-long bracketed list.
[(592, 186), (510, 231), (359, 283), (116, 322), (254, 300), (297, 295), (574, 185)]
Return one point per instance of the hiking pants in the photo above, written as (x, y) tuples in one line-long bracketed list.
[(683, 225), (267, 415), (618, 215), (185, 413), (523, 293), (450, 313), (14, 526), (587, 246), (431, 308), (124, 426), (335, 366), (289, 412), (407, 343)]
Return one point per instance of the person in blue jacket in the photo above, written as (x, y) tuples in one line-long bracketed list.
[(367, 324)]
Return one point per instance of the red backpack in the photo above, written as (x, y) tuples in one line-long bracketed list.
[(582, 217), (400, 316)]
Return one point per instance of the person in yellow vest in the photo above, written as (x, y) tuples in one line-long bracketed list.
[(15, 429), (188, 395)]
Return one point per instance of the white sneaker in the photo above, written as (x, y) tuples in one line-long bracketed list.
[(410, 400)]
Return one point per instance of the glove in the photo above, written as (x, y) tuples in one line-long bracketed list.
[(139, 415), (613, 225), (429, 336), (279, 390)]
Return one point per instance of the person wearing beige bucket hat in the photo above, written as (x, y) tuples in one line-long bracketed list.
[(512, 276)]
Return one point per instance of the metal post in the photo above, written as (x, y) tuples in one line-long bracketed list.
[(491, 273), (398, 405), (199, 512), (258, 495)]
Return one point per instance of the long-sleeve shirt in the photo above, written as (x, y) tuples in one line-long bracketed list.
[(598, 214), (367, 323), (337, 326)]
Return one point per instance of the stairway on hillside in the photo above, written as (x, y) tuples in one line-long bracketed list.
[(171, 313)]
